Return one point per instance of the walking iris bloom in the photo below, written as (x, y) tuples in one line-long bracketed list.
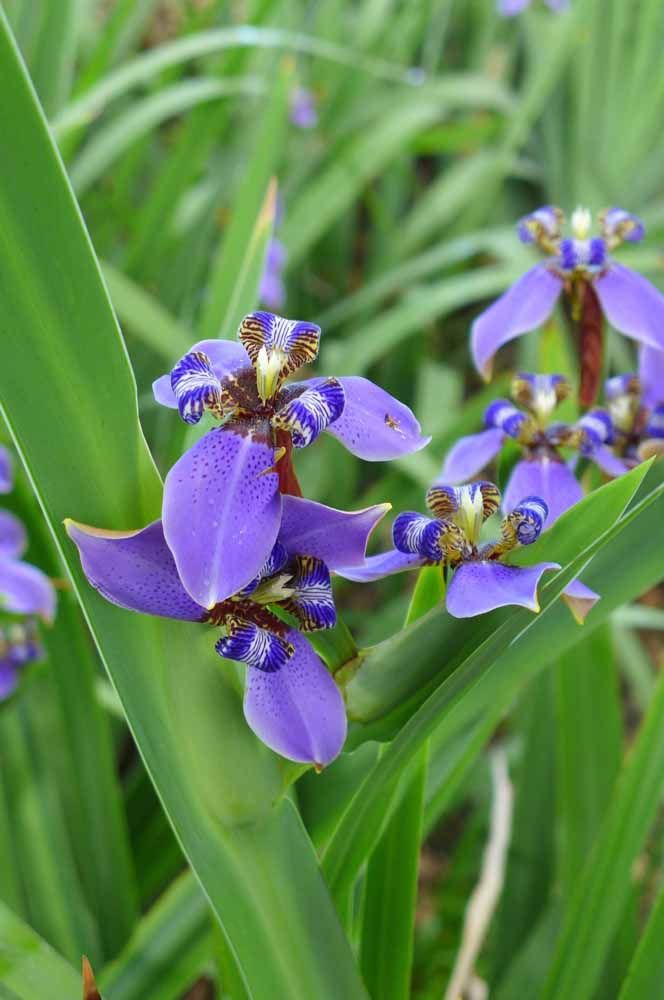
[(509, 8), (19, 645), (636, 405), (542, 471), (594, 283), (291, 701), (223, 498), (481, 581)]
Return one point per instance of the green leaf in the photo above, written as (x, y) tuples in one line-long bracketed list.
[(646, 973), (604, 886), (216, 782), (29, 968)]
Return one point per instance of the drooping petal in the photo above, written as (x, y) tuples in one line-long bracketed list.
[(632, 304), (338, 537), (374, 425), (547, 478), (296, 340), (221, 511), (522, 308), (312, 601), (579, 599), (417, 534), (6, 471), (226, 356), (257, 647), (651, 376), (385, 564), (134, 569), (13, 539), (470, 455), (305, 416), (609, 463), (297, 711), (478, 587), (8, 677), (25, 590)]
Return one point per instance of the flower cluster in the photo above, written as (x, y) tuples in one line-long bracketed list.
[(25, 593)]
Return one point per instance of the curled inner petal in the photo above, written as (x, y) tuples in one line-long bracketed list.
[(307, 415), (541, 394), (312, 601), (416, 533), (543, 226), (255, 646), (505, 416), (274, 563), (618, 225), (295, 341), (594, 429), (524, 524), (196, 387)]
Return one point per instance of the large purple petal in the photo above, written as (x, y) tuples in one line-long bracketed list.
[(13, 539), (297, 711), (226, 356), (632, 304), (8, 678), (134, 569), (608, 462), (651, 376), (478, 587), (522, 308), (553, 481), (221, 511), (374, 425), (470, 455), (579, 599), (6, 471), (385, 564), (25, 590), (338, 537)]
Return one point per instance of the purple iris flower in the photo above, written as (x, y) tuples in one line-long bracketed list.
[(542, 471), (19, 645), (595, 284), (223, 499), (24, 589), (291, 701), (636, 405), (303, 113), (272, 292), (509, 8), (481, 581)]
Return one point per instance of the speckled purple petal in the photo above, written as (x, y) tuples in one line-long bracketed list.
[(470, 455), (632, 304), (134, 569), (226, 356), (338, 537), (651, 376), (522, 308), (374, 425), (478, 587), (553, 481), (25, 590), (385, 564), (297, 711), (579, 599), (13, 539), (221, 511), (6, 471), (8, 679), (608, 462)]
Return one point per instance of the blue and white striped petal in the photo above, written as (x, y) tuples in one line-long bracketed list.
[(525, 523), (619, 225), (296, 341), (273, 565), (418, 534), (506, 417), (196, 387), (305, 416), (541, 226), (312, 601), (595, 428), (255, 646)]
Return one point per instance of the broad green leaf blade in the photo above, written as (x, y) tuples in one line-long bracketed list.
[(29, 968), (217, 784), (603, 889), (646, 972)]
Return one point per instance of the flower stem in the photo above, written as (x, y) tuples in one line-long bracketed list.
[(590, 345)]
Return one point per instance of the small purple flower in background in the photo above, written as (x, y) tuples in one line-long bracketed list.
[(272, 292), (6, 473), (223, 498), (542, 471), (636, 405), (509, 8), (595, 284), (291, 701), (19, 645), (480, 582), (303, 113)]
